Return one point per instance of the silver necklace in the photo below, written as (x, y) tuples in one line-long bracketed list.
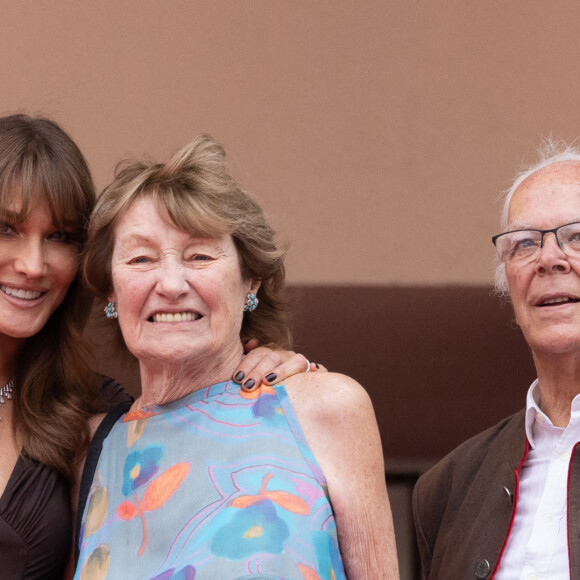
[(6, 392)]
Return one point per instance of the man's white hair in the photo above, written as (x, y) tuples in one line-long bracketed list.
[(551, 151)]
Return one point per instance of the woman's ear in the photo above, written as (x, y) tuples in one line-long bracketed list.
[(255, 286)]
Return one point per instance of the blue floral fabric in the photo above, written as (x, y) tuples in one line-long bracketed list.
[(218, 485)]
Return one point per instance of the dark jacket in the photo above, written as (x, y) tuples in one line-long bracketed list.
[(463, 507)]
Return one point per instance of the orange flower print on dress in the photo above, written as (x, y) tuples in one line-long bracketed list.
[(139, 414), (261, 390), (156, 494), (284, 499)]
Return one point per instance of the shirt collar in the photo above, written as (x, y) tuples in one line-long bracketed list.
[(533, 412)]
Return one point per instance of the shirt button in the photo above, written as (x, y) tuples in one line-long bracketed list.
[(547, 518), (482, 569), (532, 577), (564, 456)]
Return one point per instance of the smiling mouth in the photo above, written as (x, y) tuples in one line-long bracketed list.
[(22, 294), (175, 317), (562, 300)]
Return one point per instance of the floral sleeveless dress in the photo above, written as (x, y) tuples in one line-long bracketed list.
[(218, 485)]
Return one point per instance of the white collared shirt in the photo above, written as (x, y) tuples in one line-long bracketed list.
[(537, 547)]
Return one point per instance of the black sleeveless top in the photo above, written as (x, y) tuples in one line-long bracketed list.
[(35, 523), (35, 515)]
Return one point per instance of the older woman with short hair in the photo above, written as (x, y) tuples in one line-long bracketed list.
[(201, 479)]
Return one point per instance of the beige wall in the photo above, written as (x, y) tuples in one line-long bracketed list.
[(375, 133)]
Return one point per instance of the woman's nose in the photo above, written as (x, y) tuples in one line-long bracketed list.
[(30, 259), (172, 279)]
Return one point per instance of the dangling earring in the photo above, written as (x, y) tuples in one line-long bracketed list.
[(110, 311), (251, 303)]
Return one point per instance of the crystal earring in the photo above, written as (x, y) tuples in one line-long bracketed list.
[(110, 311), (251, 303)]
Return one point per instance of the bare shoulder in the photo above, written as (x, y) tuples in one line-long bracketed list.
[(336, 415), (94, 423), (323, 381), (329, 396)]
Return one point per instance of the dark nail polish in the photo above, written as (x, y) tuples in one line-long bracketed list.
[(249, 384), (271, 377), (239, 376), (317, 365)]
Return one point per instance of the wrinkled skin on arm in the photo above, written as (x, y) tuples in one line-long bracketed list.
[(338, 421)]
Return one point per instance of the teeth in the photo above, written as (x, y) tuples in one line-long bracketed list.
[(175, 317), (556, 300), (23, 294)]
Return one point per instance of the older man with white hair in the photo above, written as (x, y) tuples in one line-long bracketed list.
[(506, 503)]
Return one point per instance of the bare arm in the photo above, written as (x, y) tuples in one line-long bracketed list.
[(338, 421)]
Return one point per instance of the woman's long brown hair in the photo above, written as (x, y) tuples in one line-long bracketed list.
[(55, 388)]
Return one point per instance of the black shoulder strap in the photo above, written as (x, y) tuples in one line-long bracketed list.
[(91, 464)]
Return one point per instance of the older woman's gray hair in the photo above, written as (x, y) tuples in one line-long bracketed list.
[(551, 151), (202, 199)]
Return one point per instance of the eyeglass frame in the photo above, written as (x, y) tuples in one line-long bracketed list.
[(542, 233)]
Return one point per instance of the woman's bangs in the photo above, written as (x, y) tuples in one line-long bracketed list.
[(193, 215), (10, 188), (68, 204)]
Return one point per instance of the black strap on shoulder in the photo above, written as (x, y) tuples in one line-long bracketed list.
[(91, 464)]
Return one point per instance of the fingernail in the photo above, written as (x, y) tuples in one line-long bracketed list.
[(249, 384), (239, 376), (317, 365), (271, 377)]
